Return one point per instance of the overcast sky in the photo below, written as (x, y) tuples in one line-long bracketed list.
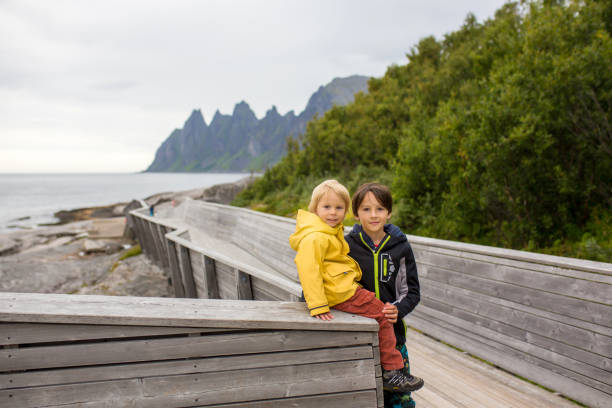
[(96, 86)]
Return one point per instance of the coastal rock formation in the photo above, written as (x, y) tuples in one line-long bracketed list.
[(241, 142), (82, 255)]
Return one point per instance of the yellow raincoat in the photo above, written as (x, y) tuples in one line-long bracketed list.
[(327, 274)]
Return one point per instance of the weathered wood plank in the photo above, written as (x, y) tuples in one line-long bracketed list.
[(226, 281), (355, 399), (128, 310), (173, 348), (232, 255), (29, 333), (206, 388), (147, 225), (549, 261), (503, 357), (174, 367), (198, 271), (155, 247), (552, 350), (428, 358), (243, 285), (547, 282), (580, 309), (140, 234), (175, 272), (268, 240), (185, 270), (263, 290), (485, 311), (553, 317), (210, 278), (584, 373), (161, 235)]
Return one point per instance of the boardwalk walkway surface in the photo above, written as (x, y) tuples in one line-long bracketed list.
[(456, 380)]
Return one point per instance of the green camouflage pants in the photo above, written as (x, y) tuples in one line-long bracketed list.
[(400, 399)]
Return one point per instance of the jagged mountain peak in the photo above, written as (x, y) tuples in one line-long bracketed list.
[(272, 112), (241, 142), (243, 110), (196, 119)]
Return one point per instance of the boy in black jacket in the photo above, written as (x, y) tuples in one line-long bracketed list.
[(389, 270)]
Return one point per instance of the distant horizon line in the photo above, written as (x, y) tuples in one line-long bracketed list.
[(60, 173)]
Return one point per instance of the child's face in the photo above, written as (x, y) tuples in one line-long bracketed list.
[(372, 215), (331, 209)]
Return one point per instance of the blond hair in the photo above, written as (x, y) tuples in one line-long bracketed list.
[(325, 187)]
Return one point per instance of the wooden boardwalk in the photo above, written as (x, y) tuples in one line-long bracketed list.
[(545, 318), (456, 380)]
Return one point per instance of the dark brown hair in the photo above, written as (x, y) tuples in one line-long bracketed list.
[(380, 191)]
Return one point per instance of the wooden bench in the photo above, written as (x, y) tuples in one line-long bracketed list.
[(105, 351), (546, 318)]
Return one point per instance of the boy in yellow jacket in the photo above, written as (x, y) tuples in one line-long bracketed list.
[(329, 276)]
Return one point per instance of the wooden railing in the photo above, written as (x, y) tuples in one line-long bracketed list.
[(106, 351), (546, 318)]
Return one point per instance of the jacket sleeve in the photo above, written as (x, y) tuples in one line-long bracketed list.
[(309, 261), (407, 289)]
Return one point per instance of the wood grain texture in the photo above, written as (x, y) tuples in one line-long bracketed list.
[(226, 281), (197, 269), (243, 285), (172, 348), (263, 290), (31, 333), (185, 366), (504, 358), (487, 312), (178, 283), (597, 313), (205, 388), (540, 356), (356, 399), (139, 311), (184, 267), (210, 278)]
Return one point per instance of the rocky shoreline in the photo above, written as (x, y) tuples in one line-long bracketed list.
[(90, 250)]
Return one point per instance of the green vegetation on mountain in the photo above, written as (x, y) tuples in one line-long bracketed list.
[(497, 134)]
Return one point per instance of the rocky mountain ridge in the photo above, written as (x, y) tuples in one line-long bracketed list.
[(240, 142)]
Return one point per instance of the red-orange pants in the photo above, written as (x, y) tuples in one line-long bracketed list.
[(364, 303)]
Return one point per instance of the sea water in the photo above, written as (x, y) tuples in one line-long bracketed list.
[(27, 200)]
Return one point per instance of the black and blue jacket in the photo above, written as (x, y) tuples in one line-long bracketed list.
[(389, 271)]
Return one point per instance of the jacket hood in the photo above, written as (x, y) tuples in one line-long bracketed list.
[(307, 223)]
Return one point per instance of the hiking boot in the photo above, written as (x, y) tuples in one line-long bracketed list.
[(400, 381)]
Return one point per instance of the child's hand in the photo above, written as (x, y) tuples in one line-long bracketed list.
[(325, 316), (390, 312)]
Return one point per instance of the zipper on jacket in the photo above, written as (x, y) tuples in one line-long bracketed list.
[(375, 253)]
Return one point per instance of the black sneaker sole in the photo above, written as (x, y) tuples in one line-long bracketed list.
[(411, 389)]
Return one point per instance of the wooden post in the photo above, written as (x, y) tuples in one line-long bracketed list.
[(161, 234), (210, 278), (177, 282), (186, 272), (157, 254), (243, 285), (378, 369), (148, 238), (139, 234)]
